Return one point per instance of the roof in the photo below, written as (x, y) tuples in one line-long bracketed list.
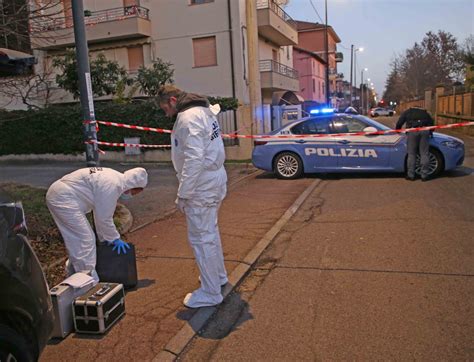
[(309, 52), (303, 26)]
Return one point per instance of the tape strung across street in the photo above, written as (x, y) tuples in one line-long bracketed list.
[(230, 135)]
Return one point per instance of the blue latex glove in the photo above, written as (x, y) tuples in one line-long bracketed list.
[(120, 246)]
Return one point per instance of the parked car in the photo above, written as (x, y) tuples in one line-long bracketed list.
[(26, 312), (302, 152), (375, 112)]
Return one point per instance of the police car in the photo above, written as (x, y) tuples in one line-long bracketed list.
[(300, 151)]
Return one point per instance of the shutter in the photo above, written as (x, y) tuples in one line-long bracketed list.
[(204, 50), (135, 57)]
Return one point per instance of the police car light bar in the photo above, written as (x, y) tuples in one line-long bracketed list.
[(323, 110)]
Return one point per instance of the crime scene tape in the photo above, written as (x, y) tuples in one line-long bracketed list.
[(118, 144), (232, 135)]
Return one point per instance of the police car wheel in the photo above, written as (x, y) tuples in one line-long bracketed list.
[(436, 164), (288, 165)]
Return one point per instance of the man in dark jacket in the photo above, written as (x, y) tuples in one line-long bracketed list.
[(417, 141)]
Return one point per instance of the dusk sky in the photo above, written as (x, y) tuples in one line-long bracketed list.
[(385, 28)]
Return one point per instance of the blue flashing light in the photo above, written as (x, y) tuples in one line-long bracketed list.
[(327, 110), (322, 110)]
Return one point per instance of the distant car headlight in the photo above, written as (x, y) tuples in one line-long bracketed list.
[(452, 144)]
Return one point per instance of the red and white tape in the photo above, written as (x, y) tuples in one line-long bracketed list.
[(231, 135), (135, 145), (227, 135)]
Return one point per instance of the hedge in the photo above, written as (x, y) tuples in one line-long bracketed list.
[(58, 129)]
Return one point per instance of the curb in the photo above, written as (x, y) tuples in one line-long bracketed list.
[(178, 343)]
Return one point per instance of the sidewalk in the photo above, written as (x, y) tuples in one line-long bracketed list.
[(370, 268), (167, 272)]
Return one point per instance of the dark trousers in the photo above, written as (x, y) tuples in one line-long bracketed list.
[(418, 142)]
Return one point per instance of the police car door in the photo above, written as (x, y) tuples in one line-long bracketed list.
[(317, 152), (361, 152)]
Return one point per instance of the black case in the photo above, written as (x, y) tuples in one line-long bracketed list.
[(117, 268), (97, 310)]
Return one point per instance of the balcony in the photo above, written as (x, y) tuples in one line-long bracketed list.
[(101, 26), (276, 25), (276, 76)]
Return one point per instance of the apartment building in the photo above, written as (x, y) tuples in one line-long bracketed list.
[(311, 38), (312, 75), (205, 40)]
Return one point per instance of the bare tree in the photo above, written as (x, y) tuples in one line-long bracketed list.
[(20, 18), (33, 90)]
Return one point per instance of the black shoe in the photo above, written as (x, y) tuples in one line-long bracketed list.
[(409, 178)]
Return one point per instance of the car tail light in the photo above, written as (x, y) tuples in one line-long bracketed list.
[(259, 143)]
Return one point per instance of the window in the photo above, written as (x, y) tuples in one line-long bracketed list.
[(274, 55), (204, 50), (135, 57), (314, 85), (198, 2), (348, 125), (312, 126), (322, 88)]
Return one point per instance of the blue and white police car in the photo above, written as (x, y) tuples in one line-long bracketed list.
[(301, 152)]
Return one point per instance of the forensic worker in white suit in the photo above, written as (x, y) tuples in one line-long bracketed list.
[(94, 189), (197, 152)]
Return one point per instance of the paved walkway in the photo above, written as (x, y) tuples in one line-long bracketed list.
[(167, 272)]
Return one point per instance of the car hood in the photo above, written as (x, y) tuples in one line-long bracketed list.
[(440, 137)]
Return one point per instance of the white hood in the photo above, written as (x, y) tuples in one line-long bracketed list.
[(135, 178)]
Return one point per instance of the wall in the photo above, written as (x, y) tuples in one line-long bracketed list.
[(308, 69)]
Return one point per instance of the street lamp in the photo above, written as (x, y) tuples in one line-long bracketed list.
[(367, 94), (353, 64), (361, 88), (355, 69), (326, 41)]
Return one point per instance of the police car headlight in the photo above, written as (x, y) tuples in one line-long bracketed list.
[(451, 144)]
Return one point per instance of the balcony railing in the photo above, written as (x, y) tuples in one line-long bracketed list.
[(273, 66), (272, 5), (93, 18)]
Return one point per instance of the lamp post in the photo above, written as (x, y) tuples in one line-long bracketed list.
[(327, 53), (353, 63), (367, 95), (355, 68), (361, 88)]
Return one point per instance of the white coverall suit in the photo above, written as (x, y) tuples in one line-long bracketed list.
[(198, 157), (80, 192)]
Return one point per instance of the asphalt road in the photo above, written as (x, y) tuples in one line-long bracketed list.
[(155, 201), (372, 267)]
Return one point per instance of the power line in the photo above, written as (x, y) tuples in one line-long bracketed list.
[(316, 11)]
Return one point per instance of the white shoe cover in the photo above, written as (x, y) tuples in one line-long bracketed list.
[(199, 298)]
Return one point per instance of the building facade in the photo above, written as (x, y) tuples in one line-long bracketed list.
[(311, 69), (311, 38)]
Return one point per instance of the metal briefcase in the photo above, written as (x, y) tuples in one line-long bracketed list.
[(62, 297), (116, 268), (97, 310)]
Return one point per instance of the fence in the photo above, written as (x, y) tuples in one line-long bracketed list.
[(228, 123), (447, 106), (269, 65), (272, 5), (56, 22)]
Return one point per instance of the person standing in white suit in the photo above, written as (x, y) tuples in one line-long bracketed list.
[(91, 189), (198, 156)]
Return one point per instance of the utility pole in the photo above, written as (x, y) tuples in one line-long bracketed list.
[(350, 89), (361, 90), (327, 55), (253, 62), (85, 84)]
